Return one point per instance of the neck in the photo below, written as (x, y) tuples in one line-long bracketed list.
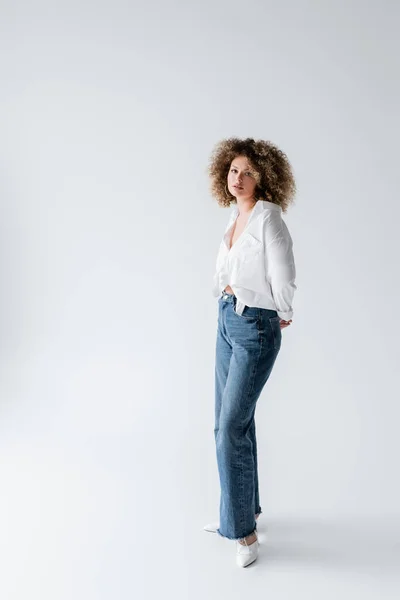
[(245, 205)]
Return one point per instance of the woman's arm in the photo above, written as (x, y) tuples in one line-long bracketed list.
[(280, 264)]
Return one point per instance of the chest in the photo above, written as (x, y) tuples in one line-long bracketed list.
[(237, 229)]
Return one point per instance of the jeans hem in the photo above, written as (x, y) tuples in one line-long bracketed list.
[(254, 530)]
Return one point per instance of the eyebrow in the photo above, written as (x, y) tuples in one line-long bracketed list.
[(247, 168)]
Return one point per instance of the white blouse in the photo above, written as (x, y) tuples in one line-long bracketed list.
[(260, 266)]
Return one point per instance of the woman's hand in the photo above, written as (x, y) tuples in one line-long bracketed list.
[(284, 324)]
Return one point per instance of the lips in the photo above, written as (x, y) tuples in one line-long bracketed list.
[(238, 187)]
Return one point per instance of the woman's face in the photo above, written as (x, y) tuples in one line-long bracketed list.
[(241, 179)]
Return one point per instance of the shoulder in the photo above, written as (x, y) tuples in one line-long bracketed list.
[(272, 218), (274, 227)]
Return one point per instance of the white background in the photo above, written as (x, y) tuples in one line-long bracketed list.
[(108, 239)]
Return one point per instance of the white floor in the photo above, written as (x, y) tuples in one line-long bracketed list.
[(107, 520), (310, 558)]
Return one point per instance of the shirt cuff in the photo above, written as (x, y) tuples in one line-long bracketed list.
[(286, 316)]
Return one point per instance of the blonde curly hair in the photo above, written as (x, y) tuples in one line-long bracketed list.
[(270, 166)]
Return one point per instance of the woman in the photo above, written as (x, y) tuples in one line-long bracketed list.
[(255, 281)]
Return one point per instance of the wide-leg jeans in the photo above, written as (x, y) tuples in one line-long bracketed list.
[(246, 349)]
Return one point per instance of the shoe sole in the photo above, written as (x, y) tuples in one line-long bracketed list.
[(210, 529)]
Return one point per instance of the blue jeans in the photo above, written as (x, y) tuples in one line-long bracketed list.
[(246, 348)]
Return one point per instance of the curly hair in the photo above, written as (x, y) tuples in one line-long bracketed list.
[(270, 166)]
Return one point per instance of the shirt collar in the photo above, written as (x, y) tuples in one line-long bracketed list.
[(258, 208)]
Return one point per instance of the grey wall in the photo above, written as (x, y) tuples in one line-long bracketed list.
[(108, 237)]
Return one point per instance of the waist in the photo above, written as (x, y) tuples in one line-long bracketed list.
[(239, 305)]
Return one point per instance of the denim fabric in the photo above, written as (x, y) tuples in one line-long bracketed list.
[(246, 348)]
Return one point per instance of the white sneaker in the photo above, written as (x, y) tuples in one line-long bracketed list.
[(212, 527), (246, 554)]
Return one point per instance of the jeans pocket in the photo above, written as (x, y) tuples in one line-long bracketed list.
[(276, 331), (250, 313)]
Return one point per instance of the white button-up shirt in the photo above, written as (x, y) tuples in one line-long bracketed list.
[(260, 266)]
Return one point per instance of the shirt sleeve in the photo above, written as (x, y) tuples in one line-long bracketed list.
[(280, 264)]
